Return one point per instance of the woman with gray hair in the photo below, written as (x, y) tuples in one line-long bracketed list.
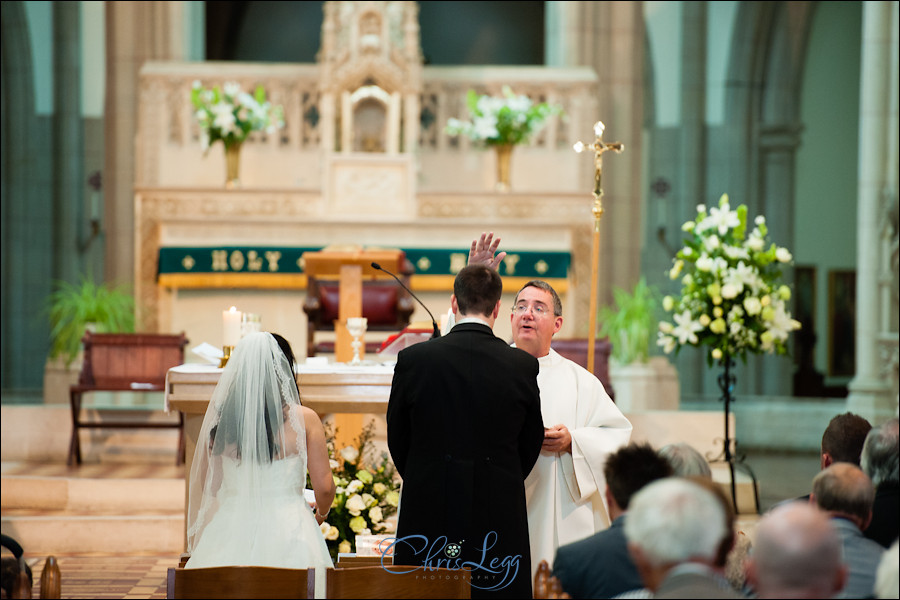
[(686, 460)]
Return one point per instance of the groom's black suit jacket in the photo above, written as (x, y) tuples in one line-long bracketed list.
[(464, 429)]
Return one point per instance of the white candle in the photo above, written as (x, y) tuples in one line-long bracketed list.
[(231, 324)]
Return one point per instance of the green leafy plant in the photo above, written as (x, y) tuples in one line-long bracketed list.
[(71, 307), (631, 323)]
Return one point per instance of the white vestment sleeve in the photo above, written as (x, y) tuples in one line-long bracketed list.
[(600, 430)]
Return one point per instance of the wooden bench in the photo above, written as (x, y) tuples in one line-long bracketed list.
[(125, 362)]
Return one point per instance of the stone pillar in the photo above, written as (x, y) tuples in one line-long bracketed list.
[(68, 136), (870, 393), (135, 32)]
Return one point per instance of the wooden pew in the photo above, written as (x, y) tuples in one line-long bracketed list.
[(378, 582), (240, 583), (132, 362)]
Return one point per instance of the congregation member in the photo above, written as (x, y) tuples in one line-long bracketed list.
[(600, 566), (846, 494), (887, 577), (881, 462), (565, 489), (686, 460), (796, 554), (246, 502), (678, 534), (464, 430)]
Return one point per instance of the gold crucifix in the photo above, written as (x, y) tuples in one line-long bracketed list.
[(598, 147)]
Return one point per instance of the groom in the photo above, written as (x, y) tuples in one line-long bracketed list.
[(464, 429)]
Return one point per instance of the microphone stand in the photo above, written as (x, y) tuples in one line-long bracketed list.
[(437, 331)]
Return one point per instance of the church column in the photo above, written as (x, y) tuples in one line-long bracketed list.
[(135, 32), (68, 135), (869, 392)]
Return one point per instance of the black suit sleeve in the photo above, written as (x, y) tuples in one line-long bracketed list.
[(532, 436), (398, 423)]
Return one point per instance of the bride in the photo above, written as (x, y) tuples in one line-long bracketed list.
[(246, 504)]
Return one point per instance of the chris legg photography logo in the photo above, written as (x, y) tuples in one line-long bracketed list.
[(488, 573)]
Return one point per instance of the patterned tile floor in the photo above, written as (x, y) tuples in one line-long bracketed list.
[(107, 577)]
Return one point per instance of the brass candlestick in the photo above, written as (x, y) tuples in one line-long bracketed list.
[(598, 147), (226, 354)]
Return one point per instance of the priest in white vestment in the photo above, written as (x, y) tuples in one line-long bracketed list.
[(564, 492)]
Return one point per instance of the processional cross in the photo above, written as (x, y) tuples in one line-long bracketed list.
[(598, 148)]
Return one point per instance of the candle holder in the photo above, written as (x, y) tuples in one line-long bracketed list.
[(226, 354)]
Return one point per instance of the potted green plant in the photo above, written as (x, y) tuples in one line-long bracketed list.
[(74, 307), (641, 381)]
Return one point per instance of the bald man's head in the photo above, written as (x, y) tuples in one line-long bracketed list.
[(797, 554), (844, 490)]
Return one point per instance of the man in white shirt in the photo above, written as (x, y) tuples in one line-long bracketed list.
[(564, 492)]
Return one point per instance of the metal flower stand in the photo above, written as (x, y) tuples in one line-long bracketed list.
[(726, 382)]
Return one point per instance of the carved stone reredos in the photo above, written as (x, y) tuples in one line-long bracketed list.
[(371, 43)]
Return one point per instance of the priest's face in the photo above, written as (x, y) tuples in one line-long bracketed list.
[(533, 321)]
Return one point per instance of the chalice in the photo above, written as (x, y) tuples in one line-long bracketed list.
[(356, 327)]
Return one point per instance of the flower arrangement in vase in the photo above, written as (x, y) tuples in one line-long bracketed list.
[(229, 114), (502, 122), (368, 493), (732, 298)]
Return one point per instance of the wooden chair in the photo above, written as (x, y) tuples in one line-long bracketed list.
[(385, 304), (377, 582), (132, 362), (545, 584), (240, 582)]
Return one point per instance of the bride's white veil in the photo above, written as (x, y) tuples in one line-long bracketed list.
[(253, 420)]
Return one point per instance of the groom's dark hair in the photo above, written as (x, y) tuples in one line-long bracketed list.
[(477, 289)]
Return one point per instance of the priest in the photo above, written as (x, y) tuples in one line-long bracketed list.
[(564, 492)]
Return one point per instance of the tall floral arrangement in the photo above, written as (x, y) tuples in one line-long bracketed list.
[(368, 493), (732, 297), (230, 114), (505, 120)]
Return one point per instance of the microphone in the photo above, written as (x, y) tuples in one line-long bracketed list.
[(437, 331)]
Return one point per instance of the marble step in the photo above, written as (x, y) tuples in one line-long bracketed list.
[(57, 515)]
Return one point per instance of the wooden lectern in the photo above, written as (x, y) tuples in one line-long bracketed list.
[(349, 267)]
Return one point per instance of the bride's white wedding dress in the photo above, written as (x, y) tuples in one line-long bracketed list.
[(276, 528)]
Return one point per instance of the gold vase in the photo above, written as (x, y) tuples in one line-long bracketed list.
[(504, 154), (232, 166)]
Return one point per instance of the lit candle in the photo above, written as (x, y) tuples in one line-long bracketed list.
[(231, 323)]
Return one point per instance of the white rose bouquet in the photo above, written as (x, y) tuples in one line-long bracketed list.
[(229, 114), (510, 119), (367, 493), (732, 298)]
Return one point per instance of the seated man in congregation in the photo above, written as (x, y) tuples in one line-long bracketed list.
[(846, 494), (797, 554), (678, 534), (600, 566), (881, 462)]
